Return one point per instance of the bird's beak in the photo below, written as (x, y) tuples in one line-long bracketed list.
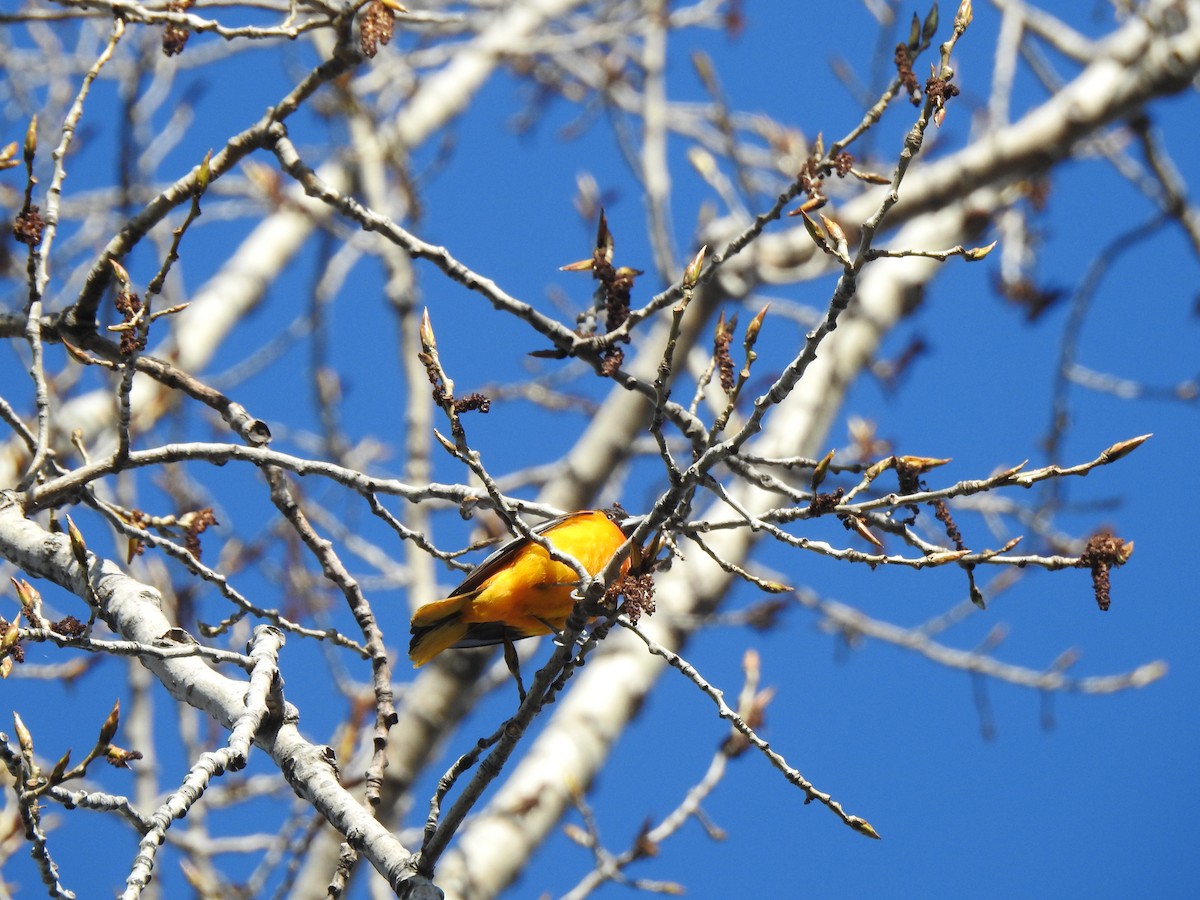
[(629, 524)]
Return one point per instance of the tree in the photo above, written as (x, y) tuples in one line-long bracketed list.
[(264, 287)]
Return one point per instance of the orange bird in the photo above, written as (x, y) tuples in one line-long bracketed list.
[(518, 591)]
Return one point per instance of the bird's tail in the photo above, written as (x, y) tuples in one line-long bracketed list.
[(429, 641), (437, 627)]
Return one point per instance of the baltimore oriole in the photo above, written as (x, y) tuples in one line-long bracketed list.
[(518, 591)]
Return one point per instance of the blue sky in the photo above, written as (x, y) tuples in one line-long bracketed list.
[(1100, 803), (1097, 805)]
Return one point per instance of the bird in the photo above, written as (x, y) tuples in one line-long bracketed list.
[(518, 591)]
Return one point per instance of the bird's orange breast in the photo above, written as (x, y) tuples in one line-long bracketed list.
[(519, 591)]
